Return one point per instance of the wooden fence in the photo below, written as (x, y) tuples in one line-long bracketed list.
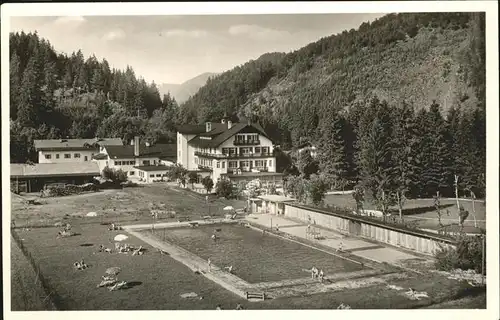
[(256, 295)]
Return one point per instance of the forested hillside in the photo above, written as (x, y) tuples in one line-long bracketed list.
[(53, 95), (416, 58)]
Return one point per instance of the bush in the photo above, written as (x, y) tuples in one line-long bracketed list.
[(467, 255), (208, 183), (224, 188), (117, 176)]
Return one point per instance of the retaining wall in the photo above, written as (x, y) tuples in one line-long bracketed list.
[(413, 240)]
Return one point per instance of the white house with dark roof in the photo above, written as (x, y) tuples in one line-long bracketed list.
[(238, 151), (137, 157), (71, 150)]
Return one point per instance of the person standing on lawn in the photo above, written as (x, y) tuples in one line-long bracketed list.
[(321, 276), (209, 265)]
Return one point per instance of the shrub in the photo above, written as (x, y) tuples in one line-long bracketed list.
[(117, 176), (468, 254), (224, 188)]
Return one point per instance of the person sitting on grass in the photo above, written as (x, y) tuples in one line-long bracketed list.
[(214, 237), (77, 265), (314, 273), (209, 265), (341, 247), (321, 276), (239, 307), (219, 307), (229, 269)]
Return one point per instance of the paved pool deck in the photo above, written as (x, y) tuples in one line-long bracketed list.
[(368, 250)]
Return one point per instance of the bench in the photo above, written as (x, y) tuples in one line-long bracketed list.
[(256, 295), (193, 224)]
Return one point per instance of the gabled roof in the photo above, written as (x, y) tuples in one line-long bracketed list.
[(21, 170), (221, 134), (191, 129), (161, 150), (75, 144)]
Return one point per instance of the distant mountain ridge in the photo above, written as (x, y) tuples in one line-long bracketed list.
[(182, 92)]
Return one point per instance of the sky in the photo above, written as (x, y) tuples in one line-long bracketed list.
[(173, 49)]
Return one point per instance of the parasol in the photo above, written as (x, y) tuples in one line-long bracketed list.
[(121, 237), (113, 271)]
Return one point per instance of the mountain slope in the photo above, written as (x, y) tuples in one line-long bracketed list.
[(415, 58), (182, 92)]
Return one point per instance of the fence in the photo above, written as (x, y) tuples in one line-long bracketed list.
[(256, 295), (418, 241), (51, 295)]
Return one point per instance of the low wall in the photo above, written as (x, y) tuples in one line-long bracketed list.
[(412, 240)]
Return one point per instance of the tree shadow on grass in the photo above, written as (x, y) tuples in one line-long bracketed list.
[(420, 210), (86, 245)]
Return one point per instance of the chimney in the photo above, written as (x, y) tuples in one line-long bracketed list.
[(208, 126), (229, 124), (136, 146)]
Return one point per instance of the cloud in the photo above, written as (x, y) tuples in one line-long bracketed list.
[(69, 20), (114, 35), (257, 32), (183, 33)]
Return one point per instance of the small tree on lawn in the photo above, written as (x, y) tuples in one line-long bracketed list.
[(120, 176), (383, 200), (272, 189), (297, 186), (359, 197), (224, 188), (317, 188), (208, 183), (178, 172), (192, 178)]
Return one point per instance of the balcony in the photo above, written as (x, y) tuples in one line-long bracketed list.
[(247, 169), (246, 142), (233, 155), (201, 167)]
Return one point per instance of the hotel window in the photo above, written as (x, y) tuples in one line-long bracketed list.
[(244, 163), (151, 175), (48, 156), (76, 155), (265, 149), (257, 149), (146, 162), (131, 173), (225, 150), (158, 175), (118, 163), (244, 150), (67, 155), (218, 164), (232, 164), (270, 163), (259, 163), (223, 164), (57, 156), (86, 158)]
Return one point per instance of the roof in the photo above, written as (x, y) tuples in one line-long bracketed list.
[(100, 156), (191, 129), (21, 170), (75, 144), (220, 134), (276, 198), (156, 150), (152, 168)]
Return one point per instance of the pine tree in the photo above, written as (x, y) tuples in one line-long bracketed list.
[(15, 84), (30, 93), (436, 168), (332, 152)]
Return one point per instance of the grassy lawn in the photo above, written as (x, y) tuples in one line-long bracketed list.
[(158, 280), (422, 210), (255, 257), (122, 206), (27, 292)]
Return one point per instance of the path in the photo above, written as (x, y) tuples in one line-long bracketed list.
[(368, 250)]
